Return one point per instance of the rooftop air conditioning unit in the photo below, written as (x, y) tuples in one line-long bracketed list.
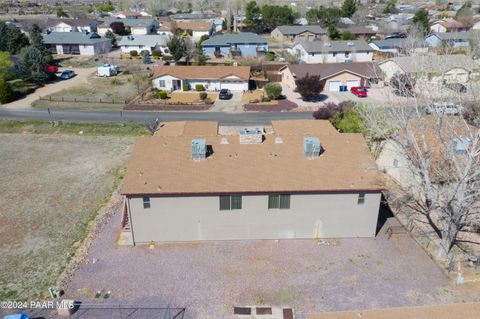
[(327, 44), (251, 136)]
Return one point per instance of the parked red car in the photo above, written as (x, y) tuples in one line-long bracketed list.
[(359, 91), (51, 68)]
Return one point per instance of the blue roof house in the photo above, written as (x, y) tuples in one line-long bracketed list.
[(453, 39), (245, 44)]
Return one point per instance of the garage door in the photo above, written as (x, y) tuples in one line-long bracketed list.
[(334, 86), (234, 85), (352, 83)]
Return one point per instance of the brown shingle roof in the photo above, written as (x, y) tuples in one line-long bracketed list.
[(203, 72), (187, 25), (326, 70), (162, 164)]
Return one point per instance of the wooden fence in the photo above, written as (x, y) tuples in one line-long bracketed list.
[(76, 100)]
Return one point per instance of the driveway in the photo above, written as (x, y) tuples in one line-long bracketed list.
[(26, 102), (234, 105), (210, 278)]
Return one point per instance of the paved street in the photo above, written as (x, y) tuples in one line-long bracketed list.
[(143, 116)]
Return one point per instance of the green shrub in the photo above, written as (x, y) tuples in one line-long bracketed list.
[(133, 53), (348, 121), (167, 57), (129, 57), (186, 87), (155, 57), (203, 95), (270, 56), (138, 57), (162, 95), (156, 53), (266, 99), (6, 92), (273, 90), (199, 88), (144, 52)]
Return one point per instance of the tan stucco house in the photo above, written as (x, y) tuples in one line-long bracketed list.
[(434, 69), (337, 76), (295, 33), (304, 180)]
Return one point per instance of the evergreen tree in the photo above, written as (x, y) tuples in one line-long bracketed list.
[(349, 7), (177, 47), (421, 19)]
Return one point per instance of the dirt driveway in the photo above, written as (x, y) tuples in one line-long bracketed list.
[(210, 278), (80, 78)]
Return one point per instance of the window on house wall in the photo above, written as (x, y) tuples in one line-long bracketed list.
[(146, 202), (161, 83), (279, 201), (230, 202), (361, 199)]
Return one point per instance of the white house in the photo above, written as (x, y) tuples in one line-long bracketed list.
[(476, 26), (333, 51), (77, 43), (148, 42), (447, 25), (71, 25), (212, 78), (196, 29), (137, 26)]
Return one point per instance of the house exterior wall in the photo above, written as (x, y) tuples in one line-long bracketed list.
[(139, 30), (288, 79), (234, 84), (168, 82), (196, 35), (343, 78), (392, 161), (389, 68), (172, 219), (277, 35), (245, 49), (437, 27), (63, 27), (103, 30), (331, 57), (455, 75)]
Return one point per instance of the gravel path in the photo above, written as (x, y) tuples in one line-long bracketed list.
[(210, 278)]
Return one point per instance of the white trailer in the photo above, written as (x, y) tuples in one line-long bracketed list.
[(107, 70)]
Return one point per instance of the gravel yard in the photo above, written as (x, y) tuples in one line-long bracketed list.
[(210, 278), (51, 186)]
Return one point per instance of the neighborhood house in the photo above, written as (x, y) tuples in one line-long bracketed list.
[(433, 69), (296, 33), (137, 26), (239, 44), (452, 39), (338, 77), (333, 51), (78, 43), (71, 25), (211, 78), (195, 29), (189, 183), (148, 42)]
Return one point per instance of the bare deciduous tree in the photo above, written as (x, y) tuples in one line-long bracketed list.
[(438, 154)]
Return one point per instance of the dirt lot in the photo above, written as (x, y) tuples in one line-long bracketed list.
[(209, 278), (189, 97), (118, 88), (51, 186)]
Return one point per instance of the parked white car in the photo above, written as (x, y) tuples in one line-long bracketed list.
[(447, 108), (107, 70)]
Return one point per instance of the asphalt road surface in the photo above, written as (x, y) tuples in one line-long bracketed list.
[(244, 118)]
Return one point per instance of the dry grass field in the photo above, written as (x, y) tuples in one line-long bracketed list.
[(118, 88), (51, 186)]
